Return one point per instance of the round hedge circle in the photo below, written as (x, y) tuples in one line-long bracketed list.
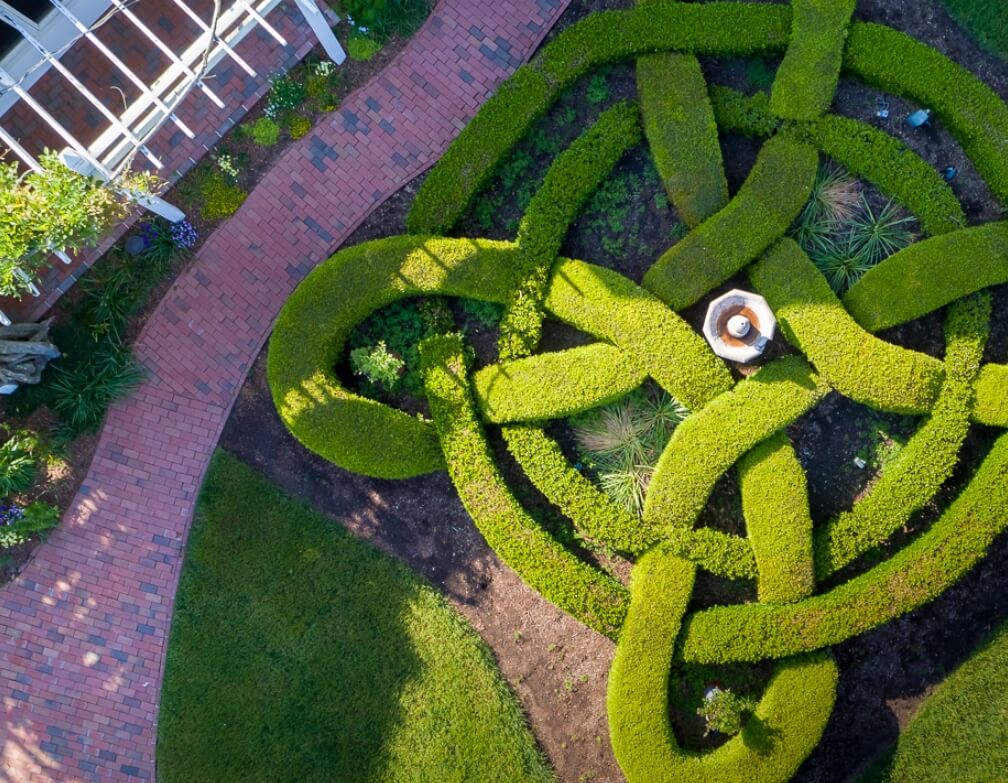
[(640, 335)]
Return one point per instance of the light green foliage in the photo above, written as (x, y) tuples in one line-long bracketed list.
[(913, 576), (265, 132), (54, 209), (621, 443), (724, 711), (299, 126), (960, 732), (700, 451), (362, 47), (682, 135), (895, 62), (596, 599), (377, 364), (218, 198), (929, 274), (775, 504), (865, 369), (807, 78), (769, 200), (339, 663), (991, 406), (17, 460), (787, 723), (920, 468)]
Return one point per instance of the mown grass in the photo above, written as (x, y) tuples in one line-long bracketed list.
[(985, 20), (961, 732), (300, 653)]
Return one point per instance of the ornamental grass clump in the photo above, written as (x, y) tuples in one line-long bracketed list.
[(621, 442)]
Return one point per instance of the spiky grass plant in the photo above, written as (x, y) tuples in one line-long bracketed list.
[(621, 442), (834, 199), (840, 260), (877, 236)]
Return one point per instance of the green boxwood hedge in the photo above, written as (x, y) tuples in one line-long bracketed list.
[(787, 723), (682, 135), (856, 364), (928, 458), (770, 199), (913, 576), (574, 176), (608, 36), (597, 600), (927, 275), (883, 160), (976, 116), (710, 441), (778, 522), (557, 384), (311, 332), (606, 305), (991, 406), (807, 78)]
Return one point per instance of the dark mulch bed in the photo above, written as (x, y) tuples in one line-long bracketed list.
[(557, 667)]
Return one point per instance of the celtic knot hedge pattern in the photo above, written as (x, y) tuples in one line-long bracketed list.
[(640, 335)]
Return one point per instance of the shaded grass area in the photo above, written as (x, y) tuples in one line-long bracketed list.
[(961, 731), (986, 20), (300, 653)]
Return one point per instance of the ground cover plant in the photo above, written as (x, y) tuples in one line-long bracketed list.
[(818, 581), (338, 663)]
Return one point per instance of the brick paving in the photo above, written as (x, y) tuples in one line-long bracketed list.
[(86, 622)]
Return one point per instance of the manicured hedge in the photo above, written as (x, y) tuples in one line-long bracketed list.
[(928, 275), (778, 523), (770, 199), (976, 116), (609, 36), (310, 334), (883, 160), (607, 305), (572, 179), (710, 441), (807, 78), (682, 135), (786, 726), (928, 458), (913, 576), (991, 405), (557, 384), (597, 600), (858, 365)]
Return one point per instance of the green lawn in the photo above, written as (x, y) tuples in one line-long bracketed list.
[(960, 734), (986, 20), (300, 653)]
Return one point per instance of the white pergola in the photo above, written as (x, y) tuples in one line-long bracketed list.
[(127, 134)]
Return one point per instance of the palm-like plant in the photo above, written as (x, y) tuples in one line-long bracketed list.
[(876, 236)]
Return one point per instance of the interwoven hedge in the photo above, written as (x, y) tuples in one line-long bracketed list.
[(732, 424)]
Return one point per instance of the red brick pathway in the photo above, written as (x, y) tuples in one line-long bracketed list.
[(85, 624)]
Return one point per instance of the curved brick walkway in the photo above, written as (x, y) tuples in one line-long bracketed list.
[(85, 624)]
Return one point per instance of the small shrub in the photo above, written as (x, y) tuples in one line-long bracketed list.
[(362, 47), (385, 18), (723, 711), (18, 524), (486, 314), (17, 461), (758, 73), (598, 90), (228, 165), (284, 96), (81, 393), (164, 241), (265, 131), (378, 365), (220, 200), (299, 127)]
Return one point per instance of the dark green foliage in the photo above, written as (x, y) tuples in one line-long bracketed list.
[(487, 314), (17, 460), (807, 78), (80, 391), (895, 62), (985, 21), (338, 663), (594, 598), (930, 274), (681, 133), (876, 373), (400, 326), (386, 18), (36, 519), (769, 200)]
